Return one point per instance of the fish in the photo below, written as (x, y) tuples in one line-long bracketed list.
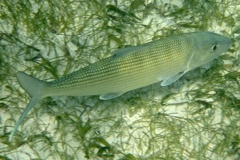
[(164, 60)]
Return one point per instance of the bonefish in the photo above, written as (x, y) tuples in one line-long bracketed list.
[(164, 60)]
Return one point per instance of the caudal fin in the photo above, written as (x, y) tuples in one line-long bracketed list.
[(35, 88)]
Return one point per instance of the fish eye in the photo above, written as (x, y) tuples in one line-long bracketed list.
[(214, 47)]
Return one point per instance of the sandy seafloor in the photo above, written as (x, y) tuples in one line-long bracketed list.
[(197, 117)]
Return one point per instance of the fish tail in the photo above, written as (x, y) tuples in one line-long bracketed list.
[(30, 105), (35, 88)]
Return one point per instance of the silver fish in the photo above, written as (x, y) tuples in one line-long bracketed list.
[(164, 60)]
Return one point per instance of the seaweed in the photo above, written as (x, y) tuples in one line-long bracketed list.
[(197, 117)]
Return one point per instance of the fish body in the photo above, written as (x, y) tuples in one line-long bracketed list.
[(164, 60)]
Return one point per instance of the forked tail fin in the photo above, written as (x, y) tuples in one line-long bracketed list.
[(34, 87)]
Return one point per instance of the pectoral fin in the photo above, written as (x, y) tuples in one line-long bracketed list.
[(172, 79), (110, 96)]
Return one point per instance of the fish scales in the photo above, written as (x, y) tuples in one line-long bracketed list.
[(129, 72), (130, 68)]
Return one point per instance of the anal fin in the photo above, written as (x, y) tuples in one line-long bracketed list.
[(110, 96)]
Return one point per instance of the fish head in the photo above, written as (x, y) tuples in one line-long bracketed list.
[(206, 47)]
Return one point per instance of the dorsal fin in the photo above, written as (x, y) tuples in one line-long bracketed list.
[(126, 51)]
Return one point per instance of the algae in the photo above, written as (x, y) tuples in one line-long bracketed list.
[(197, 117)]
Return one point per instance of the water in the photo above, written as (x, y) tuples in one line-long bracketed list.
[(195, 118)]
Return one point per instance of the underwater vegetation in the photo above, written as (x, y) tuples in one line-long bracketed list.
[(197, 117)]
